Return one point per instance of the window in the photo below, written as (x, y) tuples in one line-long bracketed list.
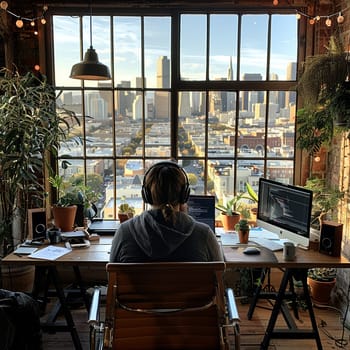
[(219, 97)]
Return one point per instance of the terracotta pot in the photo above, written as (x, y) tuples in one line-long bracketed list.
[(18, 278), (229, 221), (124, 216), (64, 217), (243, 236), (320, 291)]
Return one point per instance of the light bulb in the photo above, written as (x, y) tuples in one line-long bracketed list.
[(4, 5), (19, 23), (340, 18), (317, 159), (275, 2), (318, 18), (32, 23), (298, 15), (37, 67), (36, 32), (328, 22), (45, 8), (43, 21), (312, 21)]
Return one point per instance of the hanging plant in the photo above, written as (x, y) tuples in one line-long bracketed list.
[(324, 89)]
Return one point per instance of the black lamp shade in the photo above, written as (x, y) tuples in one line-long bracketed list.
[(90, 68)]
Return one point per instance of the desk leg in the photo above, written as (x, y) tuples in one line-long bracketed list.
[(293, 334), (264, 272), (272, 294), (65, 309), (81, 286), (275, 311), (311, 310)]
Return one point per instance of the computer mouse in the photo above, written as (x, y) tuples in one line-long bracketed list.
[(251, 250)]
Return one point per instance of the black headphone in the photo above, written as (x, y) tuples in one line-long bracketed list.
[(146, 193)]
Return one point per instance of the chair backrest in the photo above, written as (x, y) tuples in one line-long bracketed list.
[(165, 305)]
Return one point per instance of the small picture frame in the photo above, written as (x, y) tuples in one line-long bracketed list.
[(37, 223)]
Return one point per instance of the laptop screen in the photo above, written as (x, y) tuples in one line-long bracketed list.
[(202, 209), (104, 227)]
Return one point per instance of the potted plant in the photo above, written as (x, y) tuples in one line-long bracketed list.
[(31, 126), (325, 92), (242, 228), (125, 211), (229, 213), (75, 203), (325, 200), (321, 281)]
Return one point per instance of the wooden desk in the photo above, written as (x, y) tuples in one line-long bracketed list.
[(98, 255), (304, 260)]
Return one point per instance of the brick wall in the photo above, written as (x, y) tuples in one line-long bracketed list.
[(339, 174)]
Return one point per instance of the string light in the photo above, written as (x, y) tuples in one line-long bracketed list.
[(20, 20), (316, 19), (340, 18), (19, 23), (328, 18), (4, 5)]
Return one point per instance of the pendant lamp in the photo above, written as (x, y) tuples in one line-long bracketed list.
[(90, 68)]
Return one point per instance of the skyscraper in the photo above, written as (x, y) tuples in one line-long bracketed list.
[(163, 72), (291, 96), (250, 97), (230, 70), (161, 98)]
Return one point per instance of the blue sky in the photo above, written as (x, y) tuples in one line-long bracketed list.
[(127, 44)]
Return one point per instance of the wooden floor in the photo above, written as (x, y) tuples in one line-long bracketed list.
[(252, 331)]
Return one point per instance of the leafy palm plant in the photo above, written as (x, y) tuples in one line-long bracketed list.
[(31, 127)]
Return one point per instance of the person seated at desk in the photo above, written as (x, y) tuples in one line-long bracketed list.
[(165, 232)]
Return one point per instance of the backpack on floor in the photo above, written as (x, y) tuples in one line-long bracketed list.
[(19, 322)]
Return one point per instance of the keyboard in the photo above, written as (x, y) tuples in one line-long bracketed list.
[(271, 244)]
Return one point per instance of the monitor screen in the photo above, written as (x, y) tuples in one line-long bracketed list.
[(202, 209), (285, 210)]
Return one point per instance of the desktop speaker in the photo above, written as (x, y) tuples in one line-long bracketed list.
[(331, 238)]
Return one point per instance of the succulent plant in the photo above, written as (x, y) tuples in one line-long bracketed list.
[(322, 274), (243, 225)]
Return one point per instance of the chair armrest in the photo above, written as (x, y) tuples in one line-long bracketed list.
[(231, 306), (95, 308)]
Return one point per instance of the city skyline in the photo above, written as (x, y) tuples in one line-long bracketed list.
[(142, 118)]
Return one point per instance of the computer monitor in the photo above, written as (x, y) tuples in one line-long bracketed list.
[(285, 210), (202, 208)]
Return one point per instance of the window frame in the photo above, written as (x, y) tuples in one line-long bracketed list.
[(181, 85)]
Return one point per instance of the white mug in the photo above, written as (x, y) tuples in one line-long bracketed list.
[(288, 251)]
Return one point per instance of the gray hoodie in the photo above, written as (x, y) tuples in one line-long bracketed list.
[(148, 237)]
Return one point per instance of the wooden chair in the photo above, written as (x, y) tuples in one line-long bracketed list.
[(166, 306)]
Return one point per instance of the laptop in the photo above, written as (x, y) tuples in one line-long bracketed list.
[(104, 227), (202, 209)]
